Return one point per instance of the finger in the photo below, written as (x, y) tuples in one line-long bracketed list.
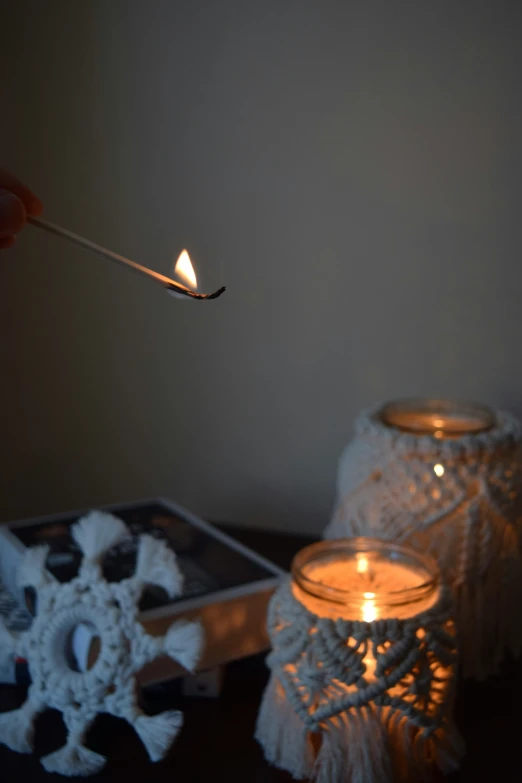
[(32, 203), (12, 214), (7, 242)]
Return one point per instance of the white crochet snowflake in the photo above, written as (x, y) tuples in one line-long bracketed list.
[(109, 686)]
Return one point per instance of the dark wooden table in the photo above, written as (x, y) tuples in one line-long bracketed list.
[(216, 742)]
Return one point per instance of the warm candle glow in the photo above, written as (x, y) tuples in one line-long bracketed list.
[(184, 271), (333, 581), (369, 611), (439, 418), (438, 469), (368, 671), (362, 564)]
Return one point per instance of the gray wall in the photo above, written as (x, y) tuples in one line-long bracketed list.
[(352, 173)]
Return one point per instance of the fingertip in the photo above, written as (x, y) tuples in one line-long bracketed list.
[(12, 214), (7, 242), (35, 207), (31, 202)]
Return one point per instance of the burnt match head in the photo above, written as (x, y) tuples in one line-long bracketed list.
[(175, 289)]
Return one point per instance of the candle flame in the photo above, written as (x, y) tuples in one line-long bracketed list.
[(369, 612), (438, 469), (362, 564), (184, 271)]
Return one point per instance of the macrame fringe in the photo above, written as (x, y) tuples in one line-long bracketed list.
[(157, 565), (486, 616), (158, 731), (16, 730), (414, 751), (7, 645), (354, 749), (447, 748), (32, 571), (73, 760), (282, 734), (97, 532), (183, 642), (372, 745), (364, 745)]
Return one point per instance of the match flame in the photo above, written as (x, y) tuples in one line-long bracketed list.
[(184, 271)]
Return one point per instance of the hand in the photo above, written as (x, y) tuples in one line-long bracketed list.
[(16, 203)]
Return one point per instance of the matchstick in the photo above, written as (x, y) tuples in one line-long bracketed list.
[(108, 255)]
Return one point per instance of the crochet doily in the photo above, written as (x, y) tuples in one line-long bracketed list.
[(395, 717), (111, 608), (459, 500)]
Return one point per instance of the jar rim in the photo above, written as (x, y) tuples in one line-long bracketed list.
[(480, 417), (321, 550)]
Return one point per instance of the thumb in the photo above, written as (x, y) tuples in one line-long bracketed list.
[(12, 214)]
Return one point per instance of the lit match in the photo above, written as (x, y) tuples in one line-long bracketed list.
[(170, 285)]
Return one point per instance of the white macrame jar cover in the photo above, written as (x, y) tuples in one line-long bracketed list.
[(109, 686), (355, 701), (454, 496)]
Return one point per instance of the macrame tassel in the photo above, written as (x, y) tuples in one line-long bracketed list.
[(354, 749), (7, 645), (157, 565), (32, 571), (97, 532), (282, 734), (72, 760), (158, 731), (183, 642), (16, 729)]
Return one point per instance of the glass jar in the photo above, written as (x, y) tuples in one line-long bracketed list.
[(439, 418), (364, 579)]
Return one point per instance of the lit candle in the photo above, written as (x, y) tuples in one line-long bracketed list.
[(362, 582), (355, 584), (440, 418), (363, 656)]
